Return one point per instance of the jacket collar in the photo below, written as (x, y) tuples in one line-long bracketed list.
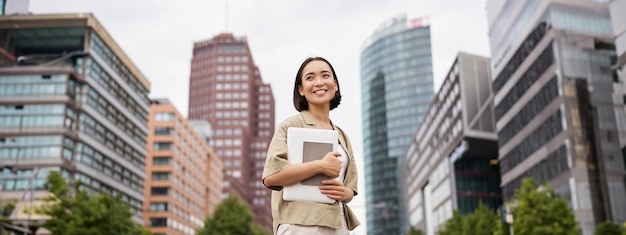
[(308, 118)]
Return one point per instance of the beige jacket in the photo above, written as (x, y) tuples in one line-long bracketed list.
[(300, 212)]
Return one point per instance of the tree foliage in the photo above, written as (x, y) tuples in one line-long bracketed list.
[(75, 212), (479, 222), (414, 231), (454, 224), (608, 228), (541, 211), (231, 217), (6, 208), (502, 228), (257, 229)]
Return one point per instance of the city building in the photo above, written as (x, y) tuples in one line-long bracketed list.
[(396, 88), (184, 177), (452, 161), (204, 129), (70, 101), (618, 20), (226, 89), (555, 110)]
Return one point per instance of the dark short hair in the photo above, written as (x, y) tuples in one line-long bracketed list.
[(300, 102)]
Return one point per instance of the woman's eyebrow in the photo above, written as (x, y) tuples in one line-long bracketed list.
[(312, 73)]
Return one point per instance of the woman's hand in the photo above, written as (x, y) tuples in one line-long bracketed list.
[(337, 191), (330, 165)]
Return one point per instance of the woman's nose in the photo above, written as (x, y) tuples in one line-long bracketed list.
[(318, 81)]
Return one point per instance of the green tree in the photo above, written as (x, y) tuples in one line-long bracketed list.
[(75, 212), (231, 217), (454, 226), (6, 208), (415, 231), (479, 222), (541, 211), (257, 229), (608, 228), (502, 228)]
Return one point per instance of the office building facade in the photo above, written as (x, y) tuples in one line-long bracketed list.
[(618, 20), (226, 88), (396, 88), (452, 161), (71, 101), (184, 177), (555, 111)]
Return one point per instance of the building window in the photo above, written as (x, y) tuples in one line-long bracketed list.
[(158, 222), (160, 175), (163, 146), (163, 131), (157, 191), (534, 72), (164, 117), (161, 161)]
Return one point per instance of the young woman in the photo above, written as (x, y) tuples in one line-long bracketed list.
[(315, 93)]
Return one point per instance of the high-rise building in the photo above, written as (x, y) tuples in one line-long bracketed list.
[(396, 88), (71, 101), (184, 176), (618, 20), (452, 161), (226, 88), (555, 110)]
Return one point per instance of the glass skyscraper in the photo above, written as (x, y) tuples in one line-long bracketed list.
[(556, 115), (70, 101), (396, 89)]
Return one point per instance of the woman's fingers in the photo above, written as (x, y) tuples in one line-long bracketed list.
[(331, 164), (333, 189)]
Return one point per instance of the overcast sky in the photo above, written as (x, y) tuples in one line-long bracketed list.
[(158, 36)]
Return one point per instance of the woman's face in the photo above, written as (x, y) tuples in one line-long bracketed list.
[(318, 84)]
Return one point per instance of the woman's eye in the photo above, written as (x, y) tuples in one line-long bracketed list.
[(326, 75), (308, 78)]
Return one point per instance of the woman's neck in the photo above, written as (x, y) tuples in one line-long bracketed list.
[(322, 116)]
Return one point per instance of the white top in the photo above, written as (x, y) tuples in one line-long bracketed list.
[(344, 166), (344, 163)]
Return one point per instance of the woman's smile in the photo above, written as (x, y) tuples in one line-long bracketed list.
[(318, 84)]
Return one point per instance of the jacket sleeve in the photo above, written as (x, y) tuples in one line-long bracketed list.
[(352, 175), (276, 158)]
